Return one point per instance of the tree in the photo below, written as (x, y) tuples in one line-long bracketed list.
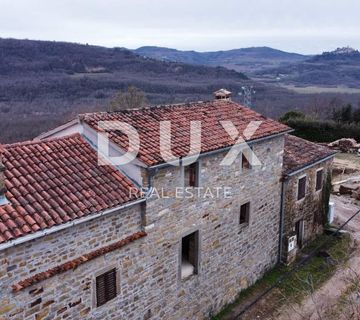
[(292, 115), (356, 115), (326, 196), (130, 99), (345, 114), (317, 107), (337, 114)]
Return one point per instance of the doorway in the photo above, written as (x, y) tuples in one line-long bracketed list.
[(299, 229)]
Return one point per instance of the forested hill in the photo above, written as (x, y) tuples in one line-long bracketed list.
[(247, 60), (340, 67), (44, 83), (28, 57)]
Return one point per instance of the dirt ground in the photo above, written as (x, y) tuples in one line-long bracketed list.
[(323, 303), (330, 301), (326, 302), (346, 166)]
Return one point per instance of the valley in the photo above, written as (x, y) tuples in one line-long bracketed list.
[(45, 83)]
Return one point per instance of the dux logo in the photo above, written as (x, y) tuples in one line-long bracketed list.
[(123, 154)]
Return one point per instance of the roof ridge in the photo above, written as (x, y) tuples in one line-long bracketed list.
[(174, 105), (292, 136), (159, 106), (33, 142)]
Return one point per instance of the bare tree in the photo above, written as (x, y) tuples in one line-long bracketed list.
[(130, 99)]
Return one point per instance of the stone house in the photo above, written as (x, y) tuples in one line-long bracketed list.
[(85, 239), (306, 167)]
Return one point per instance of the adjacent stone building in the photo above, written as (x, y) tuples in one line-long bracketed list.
[(306, 168), (147, 239)]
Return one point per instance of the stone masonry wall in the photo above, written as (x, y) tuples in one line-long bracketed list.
[(231, 256), (68, 295), (308, 208)]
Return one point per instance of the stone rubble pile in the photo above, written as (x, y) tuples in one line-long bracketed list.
[(351, 188), (347, 145)]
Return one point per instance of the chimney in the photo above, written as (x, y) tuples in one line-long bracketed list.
[(222, 94)]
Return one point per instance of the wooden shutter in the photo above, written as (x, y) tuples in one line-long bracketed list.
[(105, 287), (191, 175), (194, 250), (192, 178)]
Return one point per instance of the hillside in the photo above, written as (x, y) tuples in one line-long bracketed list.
[(337, 68), (248, 60), (44, 83)]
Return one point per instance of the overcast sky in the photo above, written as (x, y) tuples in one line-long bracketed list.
[(307, 26)]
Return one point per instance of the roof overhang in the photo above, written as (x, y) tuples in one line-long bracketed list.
[(50, 133), (45, 232)]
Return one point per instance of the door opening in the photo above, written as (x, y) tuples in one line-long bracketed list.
[(299, 229)]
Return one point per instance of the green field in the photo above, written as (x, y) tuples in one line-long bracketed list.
[(319, 89)]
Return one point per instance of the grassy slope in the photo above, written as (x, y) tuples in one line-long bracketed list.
[(307, 278)]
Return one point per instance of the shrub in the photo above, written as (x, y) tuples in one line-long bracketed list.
[(294, 114), (326, 197), (323, 131)]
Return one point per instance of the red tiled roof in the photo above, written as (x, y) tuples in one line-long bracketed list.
[(214, 136), (75, 262), (55, 181), (299, 153)]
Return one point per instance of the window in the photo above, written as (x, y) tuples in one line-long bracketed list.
[(245, 213), (106, 287), (245, 159), (301, 188), (189, 255), (191, 175), (319, 179), (245, 164)]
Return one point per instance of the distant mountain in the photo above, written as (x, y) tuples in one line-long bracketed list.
[(246, 60), (27, 57), (342, 55), (340, 67), (345, 50)]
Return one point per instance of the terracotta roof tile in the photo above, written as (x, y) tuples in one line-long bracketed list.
[(299, 153), (214, 136), (42, 190)]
